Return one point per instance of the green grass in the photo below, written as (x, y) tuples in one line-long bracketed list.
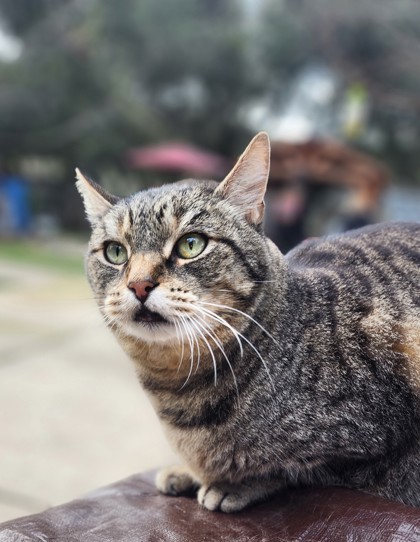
[(37, 254)]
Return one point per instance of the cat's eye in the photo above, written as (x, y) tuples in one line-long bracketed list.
[(190, 245), (115, 253)]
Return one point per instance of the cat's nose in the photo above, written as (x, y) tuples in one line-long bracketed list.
[(142, 288)]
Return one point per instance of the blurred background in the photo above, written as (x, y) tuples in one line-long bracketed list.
[(140, 92)]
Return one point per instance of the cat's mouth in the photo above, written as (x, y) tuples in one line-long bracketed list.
[(145, 315)]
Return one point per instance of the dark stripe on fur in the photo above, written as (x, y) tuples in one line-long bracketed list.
[(256, 275), (211, 414)]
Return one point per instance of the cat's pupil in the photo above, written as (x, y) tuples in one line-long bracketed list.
[(191, 243), (115, 250)]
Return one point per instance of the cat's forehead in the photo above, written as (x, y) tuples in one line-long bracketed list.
[(149, 218), (167, 206)]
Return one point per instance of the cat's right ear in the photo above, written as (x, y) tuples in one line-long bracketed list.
[(97, 200)]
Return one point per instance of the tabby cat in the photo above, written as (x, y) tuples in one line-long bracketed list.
[(265, 370)]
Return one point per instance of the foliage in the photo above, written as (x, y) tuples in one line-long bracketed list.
[(97, 77), (374, 43)]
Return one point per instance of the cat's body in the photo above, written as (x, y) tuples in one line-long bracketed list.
[(279, 370)]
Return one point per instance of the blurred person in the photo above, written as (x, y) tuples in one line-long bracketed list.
[(287, 211), (360, 210)]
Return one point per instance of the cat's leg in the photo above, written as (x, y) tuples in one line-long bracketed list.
[(234, 497), (176, 480)]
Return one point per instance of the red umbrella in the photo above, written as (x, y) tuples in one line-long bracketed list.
[(178, 157)]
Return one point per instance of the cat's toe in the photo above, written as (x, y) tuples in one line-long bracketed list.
[(210, 497), (175, 481), (223, 498)]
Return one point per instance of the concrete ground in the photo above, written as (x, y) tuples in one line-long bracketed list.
[(72, 414)]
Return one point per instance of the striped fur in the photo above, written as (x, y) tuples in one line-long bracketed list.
[(272, 370)]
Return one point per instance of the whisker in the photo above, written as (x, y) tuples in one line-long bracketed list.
[(210, 351), (243, 314), (198, 352), (192, 344), (188, 333), (178, 337), (204, 325), (221, 320), (197, 343), (181, 357)]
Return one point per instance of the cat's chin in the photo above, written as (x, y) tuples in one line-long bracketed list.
[(151, 332)]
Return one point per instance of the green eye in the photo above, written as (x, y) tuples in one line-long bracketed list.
[(115, 253), (190, 245)]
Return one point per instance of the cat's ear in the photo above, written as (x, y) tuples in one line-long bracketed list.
[(96, 199), (246, 184)]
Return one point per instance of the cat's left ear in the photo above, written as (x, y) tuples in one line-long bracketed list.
[(246, 184), (96, 199)]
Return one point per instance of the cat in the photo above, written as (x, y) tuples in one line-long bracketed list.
[(266, 370)]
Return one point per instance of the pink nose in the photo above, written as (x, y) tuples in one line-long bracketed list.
[(142, 288)]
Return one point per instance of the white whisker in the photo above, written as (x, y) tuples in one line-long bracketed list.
[(188, 332), (205, 326), (209, 349), (181, 357), (243, 314), (198, 352), (222, 321)]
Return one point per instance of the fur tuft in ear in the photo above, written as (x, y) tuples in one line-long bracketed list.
[(246, 184), (96, 199)]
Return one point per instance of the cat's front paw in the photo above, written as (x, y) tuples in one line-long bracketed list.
[(176, 481), (227, 498)]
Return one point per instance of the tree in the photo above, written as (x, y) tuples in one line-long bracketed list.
[(373, 43), (96, 77)]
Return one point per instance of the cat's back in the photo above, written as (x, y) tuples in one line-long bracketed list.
[(381, 247), (367, 282)]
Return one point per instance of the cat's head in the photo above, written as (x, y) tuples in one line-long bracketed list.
[(163, 262)]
